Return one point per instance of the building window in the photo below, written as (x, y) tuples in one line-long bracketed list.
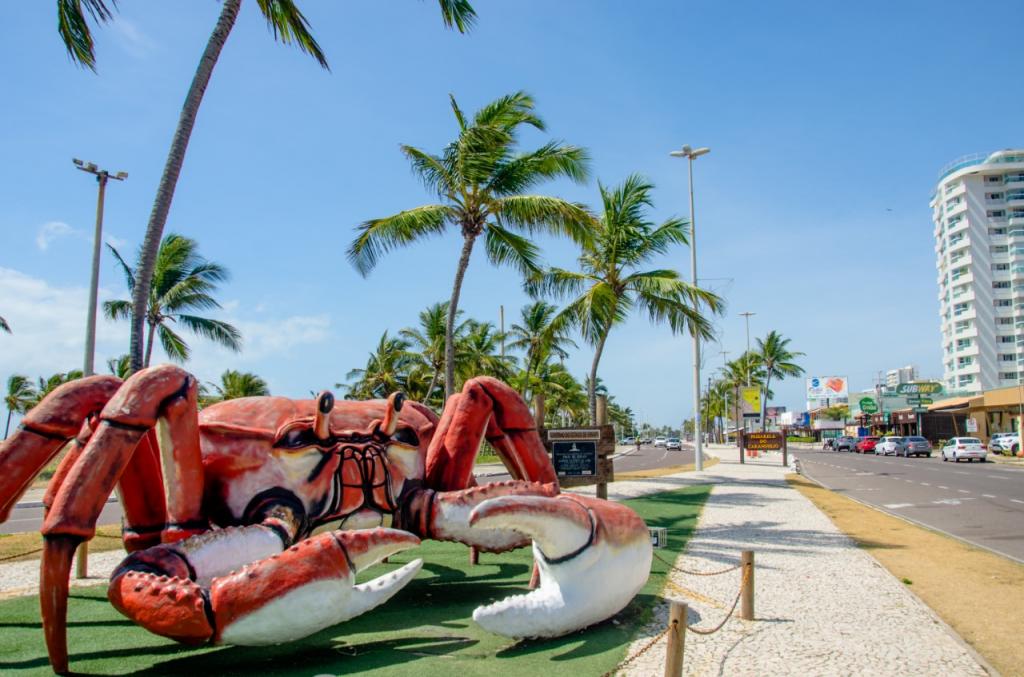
[(964, 361), (951, 187), (966, 379), (954, 220), (1007, 357), (963, 343), (1008, 375), (993, 196), (996, 213), (994, 179), (1006, 339), (1004, 320), (999, 267), (997, 231), (1001, 285), (999, 249), (1002, 303)]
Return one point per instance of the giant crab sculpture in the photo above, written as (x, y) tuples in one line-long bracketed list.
[(247, 521)]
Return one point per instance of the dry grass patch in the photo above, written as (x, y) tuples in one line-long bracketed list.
[(978, 593), (21, 547)]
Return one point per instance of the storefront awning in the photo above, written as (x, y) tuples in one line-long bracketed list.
[(954, 404)]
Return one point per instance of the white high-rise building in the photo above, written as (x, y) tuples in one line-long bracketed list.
[(978, 210), (895, 377)]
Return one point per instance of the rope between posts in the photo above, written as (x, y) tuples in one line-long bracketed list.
[(672, 566), (743, 584), (647, 647), (21, 554)]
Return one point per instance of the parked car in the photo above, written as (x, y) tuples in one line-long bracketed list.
[(673, 443), (964, 447), (1004, 443), (659, 441), (889, 445), (915, 445), (628, 441), (845, 443), (866, 444), (647, 440)]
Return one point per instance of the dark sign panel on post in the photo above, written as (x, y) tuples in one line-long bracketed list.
[(763, 441), (574, 459)]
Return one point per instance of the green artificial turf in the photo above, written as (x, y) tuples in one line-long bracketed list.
[(425, 629)]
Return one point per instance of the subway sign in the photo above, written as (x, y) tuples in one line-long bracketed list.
[(930, 388)]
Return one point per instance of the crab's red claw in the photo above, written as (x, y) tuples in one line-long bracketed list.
[(593, 557), (309, 587), (53, 597)]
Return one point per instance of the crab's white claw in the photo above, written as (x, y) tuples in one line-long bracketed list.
[(593, 557)]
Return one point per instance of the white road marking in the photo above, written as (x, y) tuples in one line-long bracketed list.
[(942, 487), (925, 484), (963, 491), (898, 505), (948, 501), (1014, 500), (989, 495), (862, 474), (997, 477)]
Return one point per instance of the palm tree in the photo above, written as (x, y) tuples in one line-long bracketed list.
[(47, 385), (745, 370), (481, 183), (235, 384), (427, 343), (777, 361), (609, 285), (540, 338), (121, 366), (384, 373), (287, 24), (20, 397), (182, 280), (478, 353)]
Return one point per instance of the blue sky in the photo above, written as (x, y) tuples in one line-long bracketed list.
[(828, 124)]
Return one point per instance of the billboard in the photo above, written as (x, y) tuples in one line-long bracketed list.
[(826, 387), (750, 401)]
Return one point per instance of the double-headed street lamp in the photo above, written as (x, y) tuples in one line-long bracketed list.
[(102, 176), (691, 154)]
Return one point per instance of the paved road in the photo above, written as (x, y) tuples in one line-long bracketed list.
[(982, 503), (30, 517)]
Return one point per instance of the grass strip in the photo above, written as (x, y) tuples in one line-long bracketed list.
[(426, 629), (976, 592), (26, 546)]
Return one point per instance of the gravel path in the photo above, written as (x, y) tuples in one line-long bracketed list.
[(822, 605)]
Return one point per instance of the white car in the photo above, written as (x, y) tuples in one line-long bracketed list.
[(964, 447), (1002, 443), (659, 441), (889, 445), (673, 443)]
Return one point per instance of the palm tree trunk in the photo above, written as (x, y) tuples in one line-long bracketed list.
[(592, 386), (764, 403), (7, 428), (453, 308), (172, 169), (149, 343), (433, 384)]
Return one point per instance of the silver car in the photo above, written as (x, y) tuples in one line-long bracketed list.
[(888, 445), (964, 447), (915, 445), (1002, 443)]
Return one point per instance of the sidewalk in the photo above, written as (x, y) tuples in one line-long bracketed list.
[(823, 606)]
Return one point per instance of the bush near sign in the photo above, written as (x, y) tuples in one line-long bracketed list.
[(763, 441)]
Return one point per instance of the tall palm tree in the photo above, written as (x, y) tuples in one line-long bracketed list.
[(478, 353), (540, 338), (743, 371), (481, 183), (384, 373), (777, 361), (20, 397), (286, 23), (427, 342), (235, 384), (610, 285), (182, 280)]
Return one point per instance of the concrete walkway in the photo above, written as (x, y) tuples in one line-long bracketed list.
[(822, 605)]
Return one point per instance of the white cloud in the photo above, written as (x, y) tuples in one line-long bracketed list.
[(50, 231), (131, 38)]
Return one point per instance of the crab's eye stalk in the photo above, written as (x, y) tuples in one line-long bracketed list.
[(406, 436), (390, 423), (322, 423)]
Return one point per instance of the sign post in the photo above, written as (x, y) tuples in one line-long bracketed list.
[(582, 456)]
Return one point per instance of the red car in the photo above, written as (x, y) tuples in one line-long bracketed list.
[(867, 444)]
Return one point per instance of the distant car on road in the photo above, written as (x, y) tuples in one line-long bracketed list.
[(659, 441), (647, 440), (866, 444), (915, 445), (889, 445), (673, 443), (628, 440), (964, 447), (1004, 443), (845, 443)]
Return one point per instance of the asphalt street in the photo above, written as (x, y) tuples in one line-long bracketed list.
[(981, 503), (28, 515)]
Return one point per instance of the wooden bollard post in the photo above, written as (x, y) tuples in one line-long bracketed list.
[(747, 589), (601, 490), (82, 560), (676, 639)]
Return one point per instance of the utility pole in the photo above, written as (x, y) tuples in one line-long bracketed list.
[(102, 176), (698, 447), (501, 312), (747, 363), (725, 391)]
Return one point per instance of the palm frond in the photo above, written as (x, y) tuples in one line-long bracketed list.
[(173, 345), (129, 274), (508, 112), (558, 283), (74, 28), (289, 25), (379, 236), (551, 160), (215, 330), (117, 309), (507, 248), (540, 213), (458, 14), (431, 169)]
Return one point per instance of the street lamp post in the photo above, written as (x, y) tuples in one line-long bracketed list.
[(691, 154), (102, 176)]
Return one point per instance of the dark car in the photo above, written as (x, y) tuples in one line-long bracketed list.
[(845, 443), (915, 446), (866, 444)]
